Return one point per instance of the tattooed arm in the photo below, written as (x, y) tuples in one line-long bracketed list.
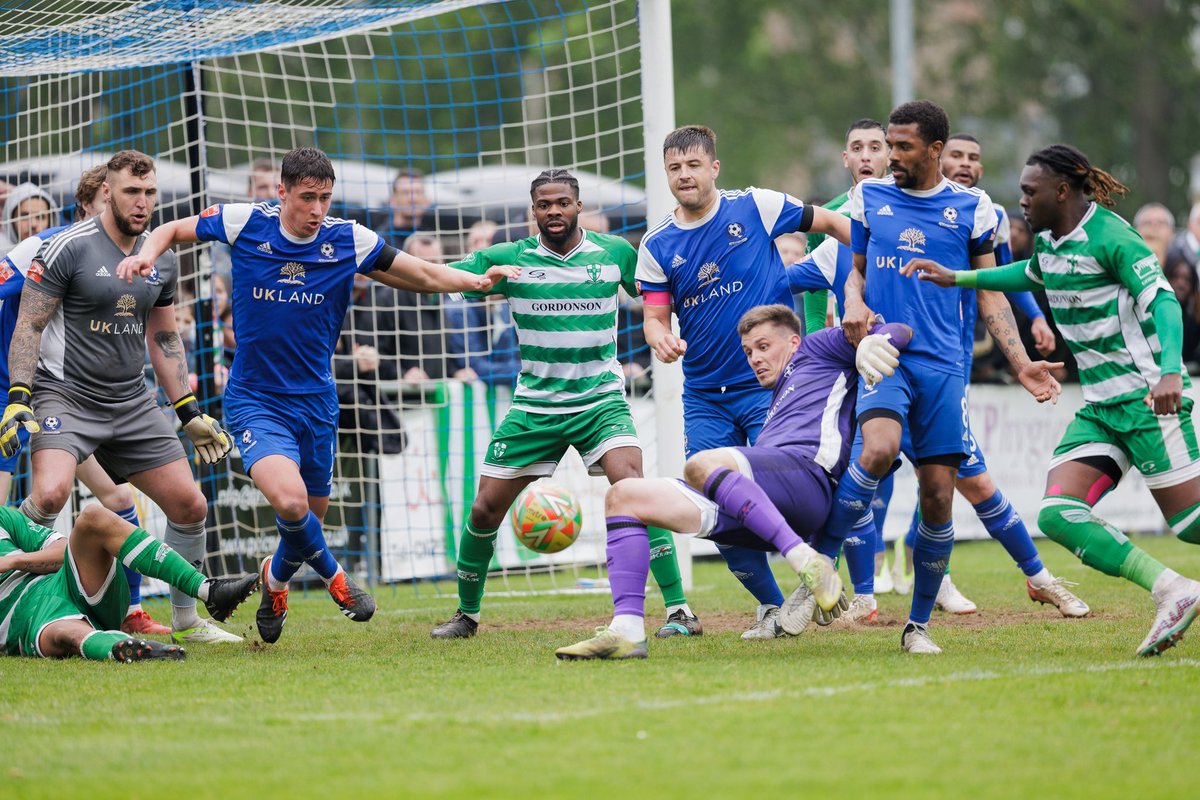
[(167, 353), (37, 309), (42, 562)]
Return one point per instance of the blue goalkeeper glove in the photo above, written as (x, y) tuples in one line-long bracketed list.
[(18, 413), (210, 439)]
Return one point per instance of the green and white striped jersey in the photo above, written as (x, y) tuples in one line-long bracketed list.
[(17, 533), (1100, 280), (565, 312)]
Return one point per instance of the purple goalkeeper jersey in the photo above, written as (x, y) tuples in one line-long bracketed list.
[(812, 409)]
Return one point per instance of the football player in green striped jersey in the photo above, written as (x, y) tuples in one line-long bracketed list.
[(571, 390), (1119, 316)]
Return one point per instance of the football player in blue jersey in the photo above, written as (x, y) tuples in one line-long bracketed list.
[(711, 260), (117, 497), (914, 212), (293, 271)]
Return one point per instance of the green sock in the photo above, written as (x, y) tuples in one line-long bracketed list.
[(1186, 524), (475, 549), (665, 566), (1070, 522), (98, 646), (142, 553)]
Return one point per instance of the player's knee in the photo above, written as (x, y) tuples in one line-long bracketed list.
[(290, 507), (1050, 520), (702, 465), (92, 518), (50, 496), (487, 512), (936, 507), (119, 499), (977, 489), (877, 457), (626, 498)]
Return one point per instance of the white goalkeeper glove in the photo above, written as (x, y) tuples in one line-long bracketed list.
[(876, 358), (210, 439)]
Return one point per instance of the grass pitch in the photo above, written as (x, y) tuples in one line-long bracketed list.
[(1021, 704)]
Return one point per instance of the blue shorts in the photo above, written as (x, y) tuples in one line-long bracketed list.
[(712, 418), (798, 487), (932, 404), (301, 427), (973, 462), (9, 465)]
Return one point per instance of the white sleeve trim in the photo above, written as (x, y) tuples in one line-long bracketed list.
[(985, 216), (854, 204), (648, 268), (825, 257), (365, 240), (22, 255), (1003, 231), (770, 205), (234, 217)]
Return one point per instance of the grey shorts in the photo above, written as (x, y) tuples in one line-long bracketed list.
[(126, 436)]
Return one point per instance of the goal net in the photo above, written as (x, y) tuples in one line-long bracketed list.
[(437, 115)]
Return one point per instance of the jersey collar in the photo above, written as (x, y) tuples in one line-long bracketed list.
[(546, 251), (688, 226), (1076, 233), (938, 187)]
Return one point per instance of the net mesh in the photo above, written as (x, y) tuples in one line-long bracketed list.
[(436, 115)]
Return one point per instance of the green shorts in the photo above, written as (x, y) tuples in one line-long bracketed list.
[(1163, 449), (528, 444), (60, 595)]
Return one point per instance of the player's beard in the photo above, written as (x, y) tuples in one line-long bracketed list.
[(559, 239), (124, 225)]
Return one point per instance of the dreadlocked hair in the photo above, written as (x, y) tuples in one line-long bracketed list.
[(1074, 167)]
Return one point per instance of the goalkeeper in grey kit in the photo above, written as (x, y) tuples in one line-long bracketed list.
[(76, 375)]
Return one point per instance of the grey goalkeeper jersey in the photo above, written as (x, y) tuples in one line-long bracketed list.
[(96, 343)]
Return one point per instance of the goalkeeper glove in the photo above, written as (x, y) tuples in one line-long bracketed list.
[(210, 439), (876, 358), (17, 414)]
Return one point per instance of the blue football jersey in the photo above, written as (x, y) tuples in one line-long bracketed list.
[(891, 226), (824, 269), (289, 294), (718, 268), (12, 280)]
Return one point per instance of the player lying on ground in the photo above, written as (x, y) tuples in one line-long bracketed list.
[(293, 269), (571, 391), (1120, 318), (768, 496), (64, 597)]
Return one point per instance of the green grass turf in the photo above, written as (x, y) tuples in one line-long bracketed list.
[(1021, 704)]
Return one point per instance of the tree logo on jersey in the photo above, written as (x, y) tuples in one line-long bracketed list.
[(498, 450), (950, 214), (708, 274), (293, 272), (913, 239), (735, 230), (327, 249), (593, 271), (126, 305)]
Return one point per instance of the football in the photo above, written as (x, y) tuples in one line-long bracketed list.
[(546, 518)]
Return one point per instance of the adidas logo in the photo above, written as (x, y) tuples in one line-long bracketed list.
[(103, 273), (265, 247), (886, 211), (678, 261)]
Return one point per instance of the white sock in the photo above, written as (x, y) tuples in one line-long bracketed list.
[(629, 626), (328, 581), (275, 585), (184, 617), (1163, 583), (202, 592), (473, 617), (800, 557), (672, 609), (1042, 579), (133, 609)]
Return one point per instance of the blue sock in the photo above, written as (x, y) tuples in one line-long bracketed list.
[(931, 559), (1004, 525), (852, 498), (751, 568), (910, 538), (133, 577), (305, 538), (879, 509), (859, 548)]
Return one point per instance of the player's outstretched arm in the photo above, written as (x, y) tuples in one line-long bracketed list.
[(37, 309), (169, 359), (161, 239), (831, 223), (656, 326), (409, 272)]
